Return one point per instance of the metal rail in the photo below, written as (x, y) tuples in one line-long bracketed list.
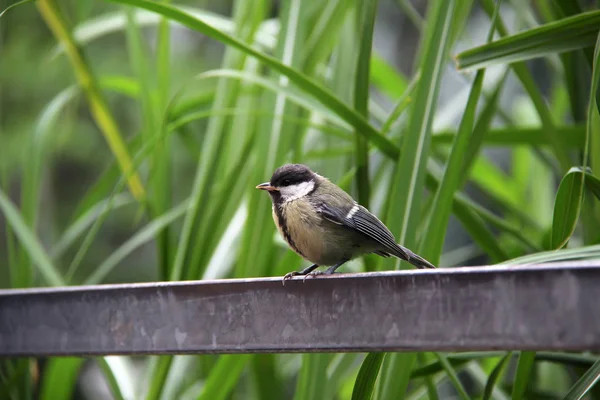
[(543, 307)]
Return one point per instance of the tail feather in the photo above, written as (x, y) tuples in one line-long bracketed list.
[(415, 259)]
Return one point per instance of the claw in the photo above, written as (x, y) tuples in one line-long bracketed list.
[(313, 274), (289, 275)]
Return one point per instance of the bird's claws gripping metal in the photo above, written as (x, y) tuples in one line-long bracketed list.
[(313, 274), (290, 275)]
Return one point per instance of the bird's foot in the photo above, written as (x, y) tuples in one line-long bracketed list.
[(313, 274), (290, 275), (305, 271)]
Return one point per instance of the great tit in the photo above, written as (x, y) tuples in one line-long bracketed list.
[(324, 224)]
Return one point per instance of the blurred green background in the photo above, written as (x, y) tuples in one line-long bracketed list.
[(132, 134)]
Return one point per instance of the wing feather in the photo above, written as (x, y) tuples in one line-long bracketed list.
[(366, 223)]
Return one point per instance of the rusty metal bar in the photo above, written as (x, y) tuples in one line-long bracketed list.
[(543, 307)]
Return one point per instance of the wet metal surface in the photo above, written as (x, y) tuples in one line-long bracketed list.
[(545, 307)]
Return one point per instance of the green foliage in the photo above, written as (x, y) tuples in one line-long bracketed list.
[(181, 110)]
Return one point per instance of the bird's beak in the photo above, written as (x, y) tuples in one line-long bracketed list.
[(267, 186)]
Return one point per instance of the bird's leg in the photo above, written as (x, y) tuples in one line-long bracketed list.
[(305, 271), (328, 271), (332, 269)]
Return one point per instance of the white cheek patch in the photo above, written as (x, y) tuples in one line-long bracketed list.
[(294, 192)]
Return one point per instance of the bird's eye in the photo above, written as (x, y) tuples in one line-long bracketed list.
[(286, 182)]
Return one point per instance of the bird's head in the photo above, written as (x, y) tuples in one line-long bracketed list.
[(290, 182)]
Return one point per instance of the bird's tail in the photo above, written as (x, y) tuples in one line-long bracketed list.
[(413, 258)]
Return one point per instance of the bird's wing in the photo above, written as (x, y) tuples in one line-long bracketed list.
[(361, 220)]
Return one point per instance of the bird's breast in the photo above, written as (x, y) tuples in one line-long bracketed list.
[(300, 227)]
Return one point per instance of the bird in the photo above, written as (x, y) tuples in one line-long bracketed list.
[(325, 225)]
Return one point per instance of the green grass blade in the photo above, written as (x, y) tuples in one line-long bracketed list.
[(256, 251), (593, 184), (514, 135), (267, 376), (152, 127), (593, 135), (45, 126), (324, 35), (213, 144), (98, 27), (494, 376), (37, 153), (78, 227), (524, 367), (480, 234), (141, 237), (585, 383), (572, 33), (18, 3), (304, 83), (367, 11), (481, 128), (410, 171), (569, 197), (60, 378), (104, 186), (432, 391), (98, 107), (535, 94), (567, 207), (223, 377), (367, 375), (312, 378), (110, 377), (435, 231), (30, 242), (292, 94), (158, 371), (453, 377), (386, 78), (401, 105), (161, 177), (341, 371)]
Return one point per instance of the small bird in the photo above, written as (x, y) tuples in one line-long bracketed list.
[(325, 225)]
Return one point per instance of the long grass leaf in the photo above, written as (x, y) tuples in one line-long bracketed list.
[(442, 203), (452, 375), (304, 83), (98, 106), (572, 33), (110, 374), (410, 171), (567, 207), (60, 378), (367, 10), (152, 127), (223, 377), (524, 367), (76, 229), (143, 236), (312, 378), (386, 78), (158, 370), (30, 242), (524, 75), (585, 383), (97, 27), (18, 3), (515, 135), (367, 375), (494, 376)]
